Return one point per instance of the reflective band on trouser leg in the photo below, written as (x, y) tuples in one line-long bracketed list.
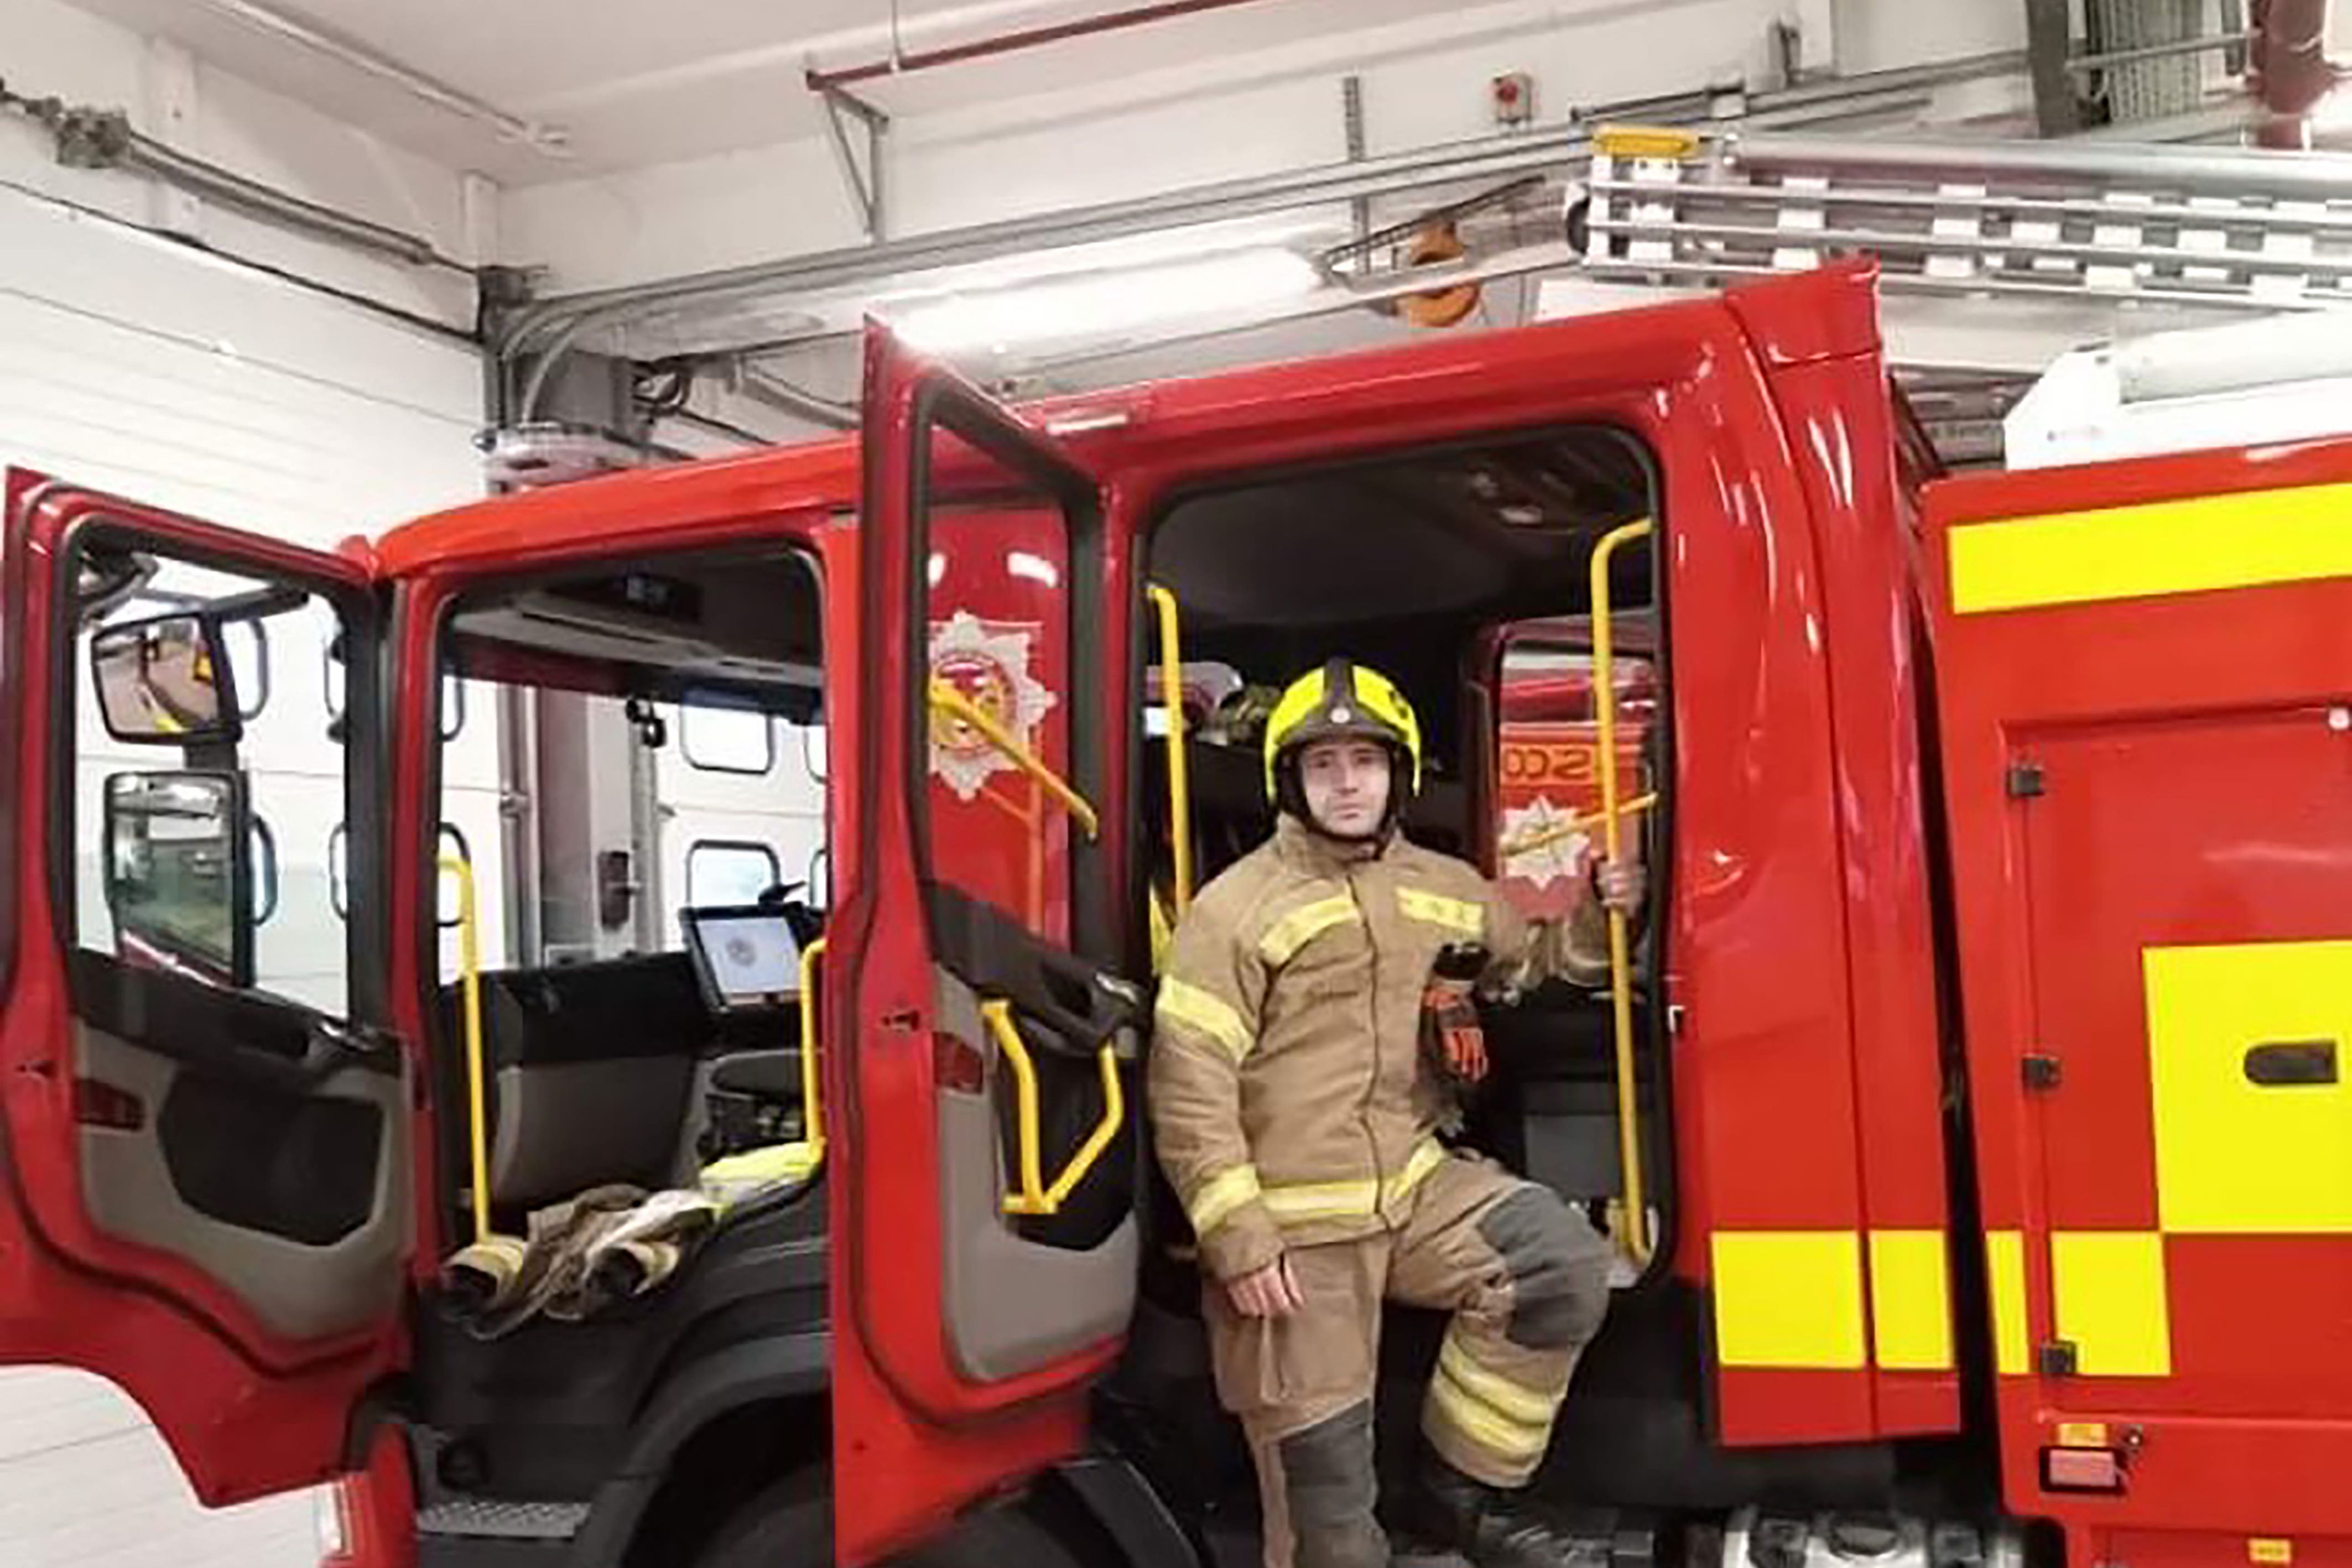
[(1489, 1423), (1220, 1195)]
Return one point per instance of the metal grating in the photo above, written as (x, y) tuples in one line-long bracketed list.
[(502, 1520)]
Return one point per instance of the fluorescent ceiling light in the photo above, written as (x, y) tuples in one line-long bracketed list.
[(1103, 304)]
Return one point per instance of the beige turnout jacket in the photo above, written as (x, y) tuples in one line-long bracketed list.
[(1288, 1094)]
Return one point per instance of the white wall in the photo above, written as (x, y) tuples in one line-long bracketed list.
[(136, 364), (53, 50), (1884, 34)]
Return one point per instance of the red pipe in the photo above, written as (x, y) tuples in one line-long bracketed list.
[(2288, 67), (1010, 43)]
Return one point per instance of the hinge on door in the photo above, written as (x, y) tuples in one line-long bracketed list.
[(2026, 780), (2042, 1072), (2056, 1358)]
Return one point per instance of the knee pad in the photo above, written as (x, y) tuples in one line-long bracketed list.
[(1329, 1482), (1558, 1268)]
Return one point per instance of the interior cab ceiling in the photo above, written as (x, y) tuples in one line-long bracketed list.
[(1484, 528), (751, 626)]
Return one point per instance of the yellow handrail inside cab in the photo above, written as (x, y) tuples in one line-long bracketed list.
[(1621, 958), (954, 704), (1034, 1195), (469, 978), (1180, 782), (811, 1083), (1543, 838)]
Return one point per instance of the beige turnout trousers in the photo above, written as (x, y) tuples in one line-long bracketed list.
[(1527, 1279)]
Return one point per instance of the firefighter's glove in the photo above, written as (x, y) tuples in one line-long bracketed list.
[(1450, 1030)]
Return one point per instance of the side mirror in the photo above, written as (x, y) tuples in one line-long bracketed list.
[(166, 682), (179, 873)]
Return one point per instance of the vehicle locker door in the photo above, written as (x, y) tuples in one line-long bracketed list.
[(984, 1211), (203, 1136)]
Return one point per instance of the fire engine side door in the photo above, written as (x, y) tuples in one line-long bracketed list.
[(984, 1236), (203, 1136)]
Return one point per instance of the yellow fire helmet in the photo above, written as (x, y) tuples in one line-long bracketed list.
[(1341, 699)]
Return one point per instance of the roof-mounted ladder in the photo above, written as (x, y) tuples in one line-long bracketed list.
[(2209, 228)]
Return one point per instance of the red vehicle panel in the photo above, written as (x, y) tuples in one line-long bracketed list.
[(2146, 743), (246, 1411)]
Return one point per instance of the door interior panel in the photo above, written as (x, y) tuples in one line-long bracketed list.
[(299, 1167), (133, 1192), (1014, 1305)]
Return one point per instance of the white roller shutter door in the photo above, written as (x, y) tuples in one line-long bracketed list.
[(134, 365)]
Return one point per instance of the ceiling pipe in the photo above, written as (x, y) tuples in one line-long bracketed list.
[(102, 138), (1014, 43), (552, 140), (761, 386), (2289, 68)]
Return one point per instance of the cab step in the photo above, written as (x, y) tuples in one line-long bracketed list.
[(502, 1520), (496, 1532)]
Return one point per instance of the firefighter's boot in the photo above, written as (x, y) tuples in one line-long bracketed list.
[(1497, 1527)]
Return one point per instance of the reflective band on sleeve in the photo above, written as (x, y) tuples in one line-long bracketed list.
[(1457, 916), (1203, 1013), (1220, 1195), (1286, 935)]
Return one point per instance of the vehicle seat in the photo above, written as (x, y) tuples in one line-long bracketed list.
[(590, 1069)]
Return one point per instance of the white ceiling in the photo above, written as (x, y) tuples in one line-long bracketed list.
[(636, 84)]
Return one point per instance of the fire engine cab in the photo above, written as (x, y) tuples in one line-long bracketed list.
[(1966, 1111)]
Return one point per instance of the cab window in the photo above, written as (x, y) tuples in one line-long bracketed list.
[(207, 781)]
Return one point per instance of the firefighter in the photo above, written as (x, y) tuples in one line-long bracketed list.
[(1296, 1087)]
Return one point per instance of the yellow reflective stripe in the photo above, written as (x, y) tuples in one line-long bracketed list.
[(1788, 1298), (1205, 1014), (1298, 1202), (1529, 1406), (1457, 916), (1302, 1201), (2152, 550), (1286, 935), (1910, 1301), (2109, 1296), (1490, 1429), (1426, 1157), (2005, 1280), (1220, 1195)]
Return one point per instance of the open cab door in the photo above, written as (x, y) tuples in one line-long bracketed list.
[(984, 1224), (203, 1132)]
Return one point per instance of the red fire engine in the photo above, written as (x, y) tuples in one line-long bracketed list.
[(1968, 1113)]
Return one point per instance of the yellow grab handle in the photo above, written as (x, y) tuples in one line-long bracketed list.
[(1544, 838), (954, 704), (1180, 782), (811, 1083), (1620, 959), (1032, 1195), (470, 975)]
